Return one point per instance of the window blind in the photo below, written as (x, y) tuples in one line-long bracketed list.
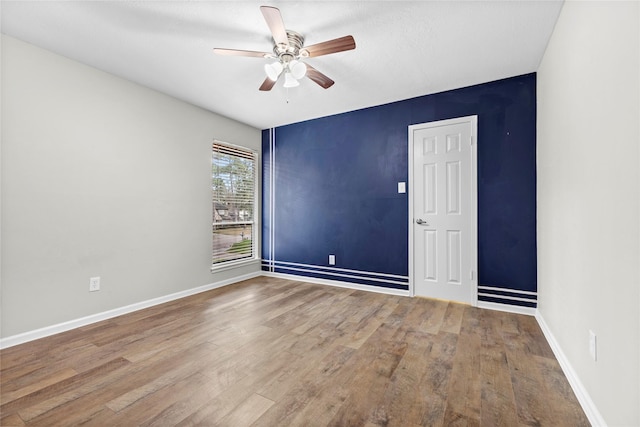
[(234, 196)]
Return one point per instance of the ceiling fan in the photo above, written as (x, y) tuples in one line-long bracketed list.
[(289, 51)]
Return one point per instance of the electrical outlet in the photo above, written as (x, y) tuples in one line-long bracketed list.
[(593, 345), (94, 284), (332, 260)]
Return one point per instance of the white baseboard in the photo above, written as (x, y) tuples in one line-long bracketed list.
[(589, 408), (84, 321), (529, 311), (338, 283)]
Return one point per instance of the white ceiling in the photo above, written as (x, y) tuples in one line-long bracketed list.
[(404, 49)]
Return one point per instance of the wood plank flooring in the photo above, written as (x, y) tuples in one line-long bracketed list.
[(273, 352)]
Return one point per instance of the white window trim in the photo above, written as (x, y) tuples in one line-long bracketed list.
[(257, 216), (237, 263)]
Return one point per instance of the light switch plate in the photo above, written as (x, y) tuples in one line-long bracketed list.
[(402, 187), (332, 260)]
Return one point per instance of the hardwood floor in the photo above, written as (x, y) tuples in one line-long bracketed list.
[(272, 352)]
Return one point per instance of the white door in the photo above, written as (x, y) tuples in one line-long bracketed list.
[(443, 209)]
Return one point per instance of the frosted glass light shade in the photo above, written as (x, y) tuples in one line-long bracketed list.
[(273, 70), (290, 81), (298, 69)]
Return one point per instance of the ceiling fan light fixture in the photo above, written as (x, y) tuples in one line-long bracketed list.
[(273, 70), (298, 69), (290, 81)]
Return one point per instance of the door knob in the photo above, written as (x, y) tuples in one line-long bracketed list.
[(422, 222)]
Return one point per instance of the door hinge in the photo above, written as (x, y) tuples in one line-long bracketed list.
[(471, 275)]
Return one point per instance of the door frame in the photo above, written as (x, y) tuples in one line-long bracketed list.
[(473, 120)]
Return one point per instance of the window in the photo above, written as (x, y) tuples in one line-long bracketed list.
[(233, 184)]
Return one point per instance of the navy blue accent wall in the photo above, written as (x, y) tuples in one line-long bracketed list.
[(336, 184)]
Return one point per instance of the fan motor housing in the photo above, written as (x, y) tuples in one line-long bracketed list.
[(288, 53)]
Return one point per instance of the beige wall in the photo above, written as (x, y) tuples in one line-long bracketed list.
[(588, 198), (100, 177)]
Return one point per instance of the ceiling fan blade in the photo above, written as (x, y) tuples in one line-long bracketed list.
[(276, 24), (331, 46), (236, 52), (267, 84), (318, 77)]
